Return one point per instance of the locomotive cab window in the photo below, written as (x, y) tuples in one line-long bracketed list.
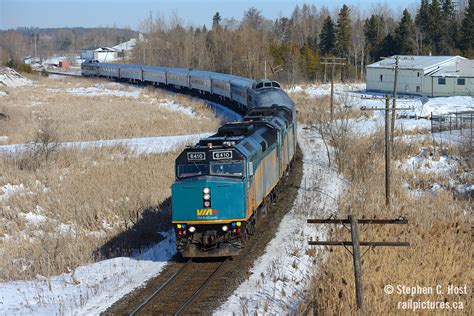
[(232, 169), (192, 170)]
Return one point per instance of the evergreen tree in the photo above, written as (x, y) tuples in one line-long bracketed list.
[(434, 26), (405, 35), (422, 17), (374, 31), (216, 20), (389, 46), (467, 29), (327, 38), (344, 32), (422, 22), (449, 28)]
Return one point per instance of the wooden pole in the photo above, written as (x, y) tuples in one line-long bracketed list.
[(332, 90), (356, 244), (387, 151), (357, 262), (397, 58)]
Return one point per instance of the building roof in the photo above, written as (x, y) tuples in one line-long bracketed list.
[(99, 49), (425, 63), (456, 68), (126, 45)]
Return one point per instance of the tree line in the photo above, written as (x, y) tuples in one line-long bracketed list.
[(290, 48), (44, 42)]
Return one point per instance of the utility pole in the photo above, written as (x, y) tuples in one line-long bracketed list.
[(387, 143), (387, 151), (333, 61), (356, 244), (395, 82), (265, 69)]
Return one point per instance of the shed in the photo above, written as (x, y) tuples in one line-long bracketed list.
[(100, 53)]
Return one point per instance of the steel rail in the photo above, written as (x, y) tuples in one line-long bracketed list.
[(191, 300), (171, 278)]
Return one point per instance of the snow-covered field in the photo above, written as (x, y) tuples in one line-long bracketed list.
[(356, 96), (279, 277), (89, 289), (98, 91), (142, 145), (432, 161)]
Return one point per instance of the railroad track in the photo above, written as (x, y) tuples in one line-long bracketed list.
[(181, 289), (223, 283)]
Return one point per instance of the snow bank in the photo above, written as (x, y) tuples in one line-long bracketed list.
[(143, 145), (11, 78), (325, 89), (279, 277), (99, 91), (91, 289)]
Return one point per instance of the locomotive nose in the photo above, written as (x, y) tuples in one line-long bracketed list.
[(208, 200)]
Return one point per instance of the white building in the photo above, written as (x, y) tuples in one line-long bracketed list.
[(430, 76), (102, 54)]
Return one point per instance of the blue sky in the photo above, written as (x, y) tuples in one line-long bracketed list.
[(120, 13)]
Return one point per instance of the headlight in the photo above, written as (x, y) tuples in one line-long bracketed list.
[(192, 229), (225, 228), (206, 191), (207, 197)]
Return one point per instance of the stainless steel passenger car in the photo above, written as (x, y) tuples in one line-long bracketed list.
[(154, 75), (131, 72)]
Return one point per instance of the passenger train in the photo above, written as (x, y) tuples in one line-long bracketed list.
[(224, 181)]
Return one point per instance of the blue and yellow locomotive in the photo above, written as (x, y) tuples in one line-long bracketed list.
[(223, 181)]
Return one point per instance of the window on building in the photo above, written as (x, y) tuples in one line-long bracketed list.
[(418, 89), (417, 74), (381, 78), (461, 81), (441, 81)]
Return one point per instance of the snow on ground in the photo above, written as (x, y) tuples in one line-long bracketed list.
[(368, 126), (3, 94), (8, 190), (90, 289), (11, 78), (429, 162), (176, 107), (356, 96), (279, 277), (141, 145), (99, 90), (325, 89), (457, 137)]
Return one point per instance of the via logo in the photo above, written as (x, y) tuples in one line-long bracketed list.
[(206, 212)]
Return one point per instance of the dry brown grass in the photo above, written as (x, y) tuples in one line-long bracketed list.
[(439, 232), (88, 198), (312, 109), (96, 117)]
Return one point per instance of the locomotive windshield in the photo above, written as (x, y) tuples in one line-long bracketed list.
[(233, 169), (192, 170)]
